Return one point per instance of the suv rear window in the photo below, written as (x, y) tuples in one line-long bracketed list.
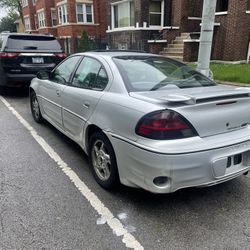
[(39, 43)]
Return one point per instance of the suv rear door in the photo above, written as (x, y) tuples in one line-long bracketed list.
[(27, 54)]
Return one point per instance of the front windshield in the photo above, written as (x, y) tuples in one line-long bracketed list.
[(149, 73)]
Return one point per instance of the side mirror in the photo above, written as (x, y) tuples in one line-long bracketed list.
[(43, 75)]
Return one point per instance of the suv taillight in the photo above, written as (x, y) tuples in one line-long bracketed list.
[(8, 55), (61, 55), (165, 125)]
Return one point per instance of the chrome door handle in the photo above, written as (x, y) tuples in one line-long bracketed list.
[(86, 105)]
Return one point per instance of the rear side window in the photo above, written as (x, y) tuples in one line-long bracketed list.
[(90, 75), (41, 43)]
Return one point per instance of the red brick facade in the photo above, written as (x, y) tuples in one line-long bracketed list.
[(29, 12), (231, 35), (68, 32)]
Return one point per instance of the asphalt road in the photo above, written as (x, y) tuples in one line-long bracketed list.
[(41, 208)]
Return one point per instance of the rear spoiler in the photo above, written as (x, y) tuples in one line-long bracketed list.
[(238, 93)]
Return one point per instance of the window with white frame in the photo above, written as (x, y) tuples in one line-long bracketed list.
[(67, 45), (24, 3), (27, 23), (156, 13), (34, 2), (53, 17), (36, 22), (123, 14), (63, 14), (84, 13), (41, 19)]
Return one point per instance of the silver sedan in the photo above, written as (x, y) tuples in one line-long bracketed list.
[(145, 120)]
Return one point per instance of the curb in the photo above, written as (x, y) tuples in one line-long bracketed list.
[(233, 83)]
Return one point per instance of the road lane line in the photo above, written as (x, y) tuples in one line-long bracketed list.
[(115, 224)]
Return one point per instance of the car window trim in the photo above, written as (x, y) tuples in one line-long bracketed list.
[(72, 73), (94, 89)]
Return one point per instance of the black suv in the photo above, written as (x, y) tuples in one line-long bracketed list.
[(23, 55)]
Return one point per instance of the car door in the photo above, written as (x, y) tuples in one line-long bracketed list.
[(50, 91), (81, 97)]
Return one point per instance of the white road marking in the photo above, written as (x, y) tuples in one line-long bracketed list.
[(122, 216), (115, 224)]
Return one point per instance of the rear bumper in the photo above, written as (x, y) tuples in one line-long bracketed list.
[(16, 79), (138, 167)]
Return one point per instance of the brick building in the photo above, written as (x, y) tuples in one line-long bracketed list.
[(66, 20), (173, 26)]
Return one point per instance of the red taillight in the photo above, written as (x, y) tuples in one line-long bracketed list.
[(8, 55), (165, 125), (61, 55)]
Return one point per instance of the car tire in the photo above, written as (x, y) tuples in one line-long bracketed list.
[(35, 108), (102, 161)]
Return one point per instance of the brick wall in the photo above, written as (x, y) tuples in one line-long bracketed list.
[(231, 38), (191, 51), (156, 48), (72, 30), (30, 11), (237, 32)]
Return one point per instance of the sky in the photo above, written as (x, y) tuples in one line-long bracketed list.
[(2, 12)]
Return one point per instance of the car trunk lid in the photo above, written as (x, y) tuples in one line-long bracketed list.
[(211, 110)]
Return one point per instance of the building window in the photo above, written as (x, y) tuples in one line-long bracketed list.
[(248, 5), (53, 17), (34, 2), (84, 13), (156, 13), (27, 23), (222, 5), (67, 45), (24, 3), (123, 14), (63, 14), (41, 19), (36, 22)]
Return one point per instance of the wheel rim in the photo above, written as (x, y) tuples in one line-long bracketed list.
[(35, 107), (101, 160)]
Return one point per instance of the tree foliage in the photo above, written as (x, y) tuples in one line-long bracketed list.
[(12, 6), (84, 42), (8, 23)]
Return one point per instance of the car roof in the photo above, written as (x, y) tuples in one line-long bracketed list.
[(114, 53)]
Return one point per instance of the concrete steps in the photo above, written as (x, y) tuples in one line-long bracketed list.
[(175, 50)]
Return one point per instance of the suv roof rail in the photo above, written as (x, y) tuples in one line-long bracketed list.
[(24, 34)]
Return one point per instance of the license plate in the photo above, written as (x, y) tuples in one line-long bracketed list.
[(37, 60)]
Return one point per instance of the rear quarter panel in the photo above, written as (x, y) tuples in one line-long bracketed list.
[(120, 113)]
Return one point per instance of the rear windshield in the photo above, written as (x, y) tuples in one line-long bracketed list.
[(149, 73), (41, 43)]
